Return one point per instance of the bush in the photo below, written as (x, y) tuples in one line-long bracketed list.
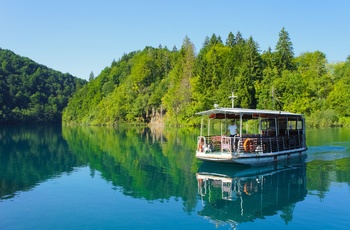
[(344, 121), (321, 119)]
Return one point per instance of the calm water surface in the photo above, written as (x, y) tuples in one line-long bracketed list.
[(137, 178)]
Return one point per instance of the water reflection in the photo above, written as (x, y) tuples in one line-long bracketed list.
[(142, 163), (30, 155), (151, 164), (139, 162), (233, 196)]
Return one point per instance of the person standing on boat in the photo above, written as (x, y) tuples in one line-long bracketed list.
[(232, 128)]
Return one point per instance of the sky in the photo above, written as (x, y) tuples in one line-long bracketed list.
[(80, 36)]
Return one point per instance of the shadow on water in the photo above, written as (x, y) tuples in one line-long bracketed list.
[(236, 194)]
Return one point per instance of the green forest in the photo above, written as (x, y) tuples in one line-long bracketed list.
[(168, 86), (158, 85), (30, 92)]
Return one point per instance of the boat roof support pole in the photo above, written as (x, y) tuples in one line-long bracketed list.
[(220, 127), (297, 124), (240, 124), (208, 127), (260, 131), (201, 126), (276, 128)]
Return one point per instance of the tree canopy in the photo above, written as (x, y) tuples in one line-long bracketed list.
[(30, 92), (158, 85), (154, 83)]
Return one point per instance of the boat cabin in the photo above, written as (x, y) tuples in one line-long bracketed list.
[(260, 132)]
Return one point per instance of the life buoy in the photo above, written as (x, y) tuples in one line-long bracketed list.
[(249, 145), (200, 148), (201, 143), (247, 190)]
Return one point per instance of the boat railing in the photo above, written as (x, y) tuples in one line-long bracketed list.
[(250, 143), (257, 144)]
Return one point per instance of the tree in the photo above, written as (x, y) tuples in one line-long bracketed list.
[(339, 98), (239, 38), (250, 71), (284, 52), (92, 76), (230, 41), (313, 72), (178, 98), (31, 92)]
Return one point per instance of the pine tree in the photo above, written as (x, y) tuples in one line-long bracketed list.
[(230, 41), (284, 52), (91, 76), (177, 100), (250, 72), (239, 38)]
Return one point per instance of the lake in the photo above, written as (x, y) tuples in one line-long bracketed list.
[(54, 177)]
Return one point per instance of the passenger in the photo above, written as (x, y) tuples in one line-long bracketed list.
[(232, 128)]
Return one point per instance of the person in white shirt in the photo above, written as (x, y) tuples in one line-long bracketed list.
[(232, 129)]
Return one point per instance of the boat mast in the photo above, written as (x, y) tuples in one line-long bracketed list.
[(232, 97), (201, 126)]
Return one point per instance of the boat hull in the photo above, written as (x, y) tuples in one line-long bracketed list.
[(251, 158)]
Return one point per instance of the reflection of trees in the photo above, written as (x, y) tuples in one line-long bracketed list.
[(140, 163), (330, 164), (287, 213), (29, 155), (320, 174)]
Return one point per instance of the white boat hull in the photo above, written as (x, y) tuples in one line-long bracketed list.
[(251, 158)]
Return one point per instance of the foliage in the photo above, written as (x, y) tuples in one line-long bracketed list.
[(321, 119), (32, 154), (179, 107), (145, 163), (170, 86), (284, 52), (129, 90), (174, 85), (30, 92)]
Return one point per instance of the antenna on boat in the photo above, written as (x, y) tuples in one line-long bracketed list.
[(232, 97)]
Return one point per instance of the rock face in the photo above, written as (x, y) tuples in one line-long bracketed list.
[(157, 118)]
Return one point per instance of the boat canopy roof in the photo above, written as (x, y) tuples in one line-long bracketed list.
[(221, 113)]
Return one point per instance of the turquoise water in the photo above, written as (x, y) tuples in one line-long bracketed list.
[(137, 178)]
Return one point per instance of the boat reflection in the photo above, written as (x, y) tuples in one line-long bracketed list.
[(233, 196)]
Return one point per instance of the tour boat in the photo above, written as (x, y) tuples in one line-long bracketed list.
[(264, 136)]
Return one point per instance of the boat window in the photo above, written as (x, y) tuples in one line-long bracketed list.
[(296, 124), (250, 126), (299, 124), (268, 124), (291, 124), (213, 127)]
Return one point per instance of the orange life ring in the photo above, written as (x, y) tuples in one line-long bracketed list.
[(249, 145), (247, 190), (200, 148), (201, 143)]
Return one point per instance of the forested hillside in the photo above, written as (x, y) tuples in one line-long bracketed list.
[(30, 92), (161, 85)]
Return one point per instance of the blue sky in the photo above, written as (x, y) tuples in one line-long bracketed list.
[(80, 36)]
